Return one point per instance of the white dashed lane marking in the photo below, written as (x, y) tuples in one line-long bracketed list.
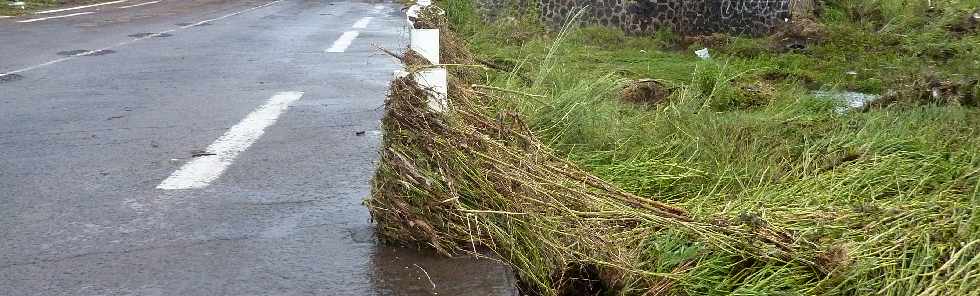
[(54, 17), (344, 41), (362, 23), (201, 171)]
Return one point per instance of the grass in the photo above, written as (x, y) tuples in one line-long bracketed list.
[(893, 193), (36, 5)]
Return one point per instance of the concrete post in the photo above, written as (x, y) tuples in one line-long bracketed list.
[(425, 42)]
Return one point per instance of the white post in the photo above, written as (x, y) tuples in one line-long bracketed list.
[(425, 42)]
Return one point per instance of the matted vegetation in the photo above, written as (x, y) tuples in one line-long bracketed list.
[(753, 185)]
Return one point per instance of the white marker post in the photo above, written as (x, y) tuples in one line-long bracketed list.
[(425, 42)]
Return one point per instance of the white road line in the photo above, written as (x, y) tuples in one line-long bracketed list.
[(124, 43), (79, 7), (362, 23), (5, 16), (379, 7), (344, 41), (201, 171), (54, 17), (141, 4)]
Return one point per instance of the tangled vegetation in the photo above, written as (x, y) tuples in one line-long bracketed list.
[(740, 180)]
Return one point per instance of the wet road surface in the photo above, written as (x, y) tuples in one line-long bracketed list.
[(208, 147)]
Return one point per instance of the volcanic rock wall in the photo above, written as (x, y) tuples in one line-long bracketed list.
[(689, 17)]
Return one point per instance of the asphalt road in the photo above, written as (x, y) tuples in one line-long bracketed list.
[(208, 147)]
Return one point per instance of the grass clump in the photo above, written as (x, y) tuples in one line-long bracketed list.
[(771, 190)]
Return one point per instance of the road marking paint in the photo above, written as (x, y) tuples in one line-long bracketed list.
[(362, 23), (201, 171), (124, 43), (5, 16), (79, 7), (344, 41), (141, 4), (379, 7), (54, 17)]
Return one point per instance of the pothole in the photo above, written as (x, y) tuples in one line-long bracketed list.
[(10, 77), (73, 52), (100, 52), (140, 35)]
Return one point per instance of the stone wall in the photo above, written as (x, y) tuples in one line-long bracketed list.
[(688, 17)]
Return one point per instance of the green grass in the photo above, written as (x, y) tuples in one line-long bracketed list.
[(36, 5), (897, 189)]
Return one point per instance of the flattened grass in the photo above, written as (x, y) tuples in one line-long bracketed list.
[(894, 191)]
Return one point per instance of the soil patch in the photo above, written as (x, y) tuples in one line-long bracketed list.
[(798, 35), (646, 91), (969, 24)]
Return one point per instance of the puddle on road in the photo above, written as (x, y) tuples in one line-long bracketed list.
[(10, 78), (852, 100), (154, 35), (73, 52), (403, 271), (86, 52), (100, 53)]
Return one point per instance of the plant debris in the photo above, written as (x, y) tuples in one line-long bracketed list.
[(477, 176)]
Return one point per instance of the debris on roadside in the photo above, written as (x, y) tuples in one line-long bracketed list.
[(930, 88), (967, 25), (798, 35), (201, 153), (714, 40)]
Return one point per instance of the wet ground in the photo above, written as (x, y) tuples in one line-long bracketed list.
[(97, 109)]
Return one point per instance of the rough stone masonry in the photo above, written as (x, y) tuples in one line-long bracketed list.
[(688, 17)]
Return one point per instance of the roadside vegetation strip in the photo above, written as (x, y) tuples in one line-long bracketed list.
[(30, 7), (79, 7), (883, 199), (139, 4)]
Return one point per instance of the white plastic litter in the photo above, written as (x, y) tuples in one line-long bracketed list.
[(703, 54)]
